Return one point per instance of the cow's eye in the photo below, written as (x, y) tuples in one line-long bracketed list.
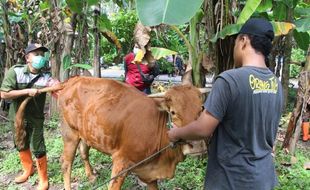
[(172, 112)]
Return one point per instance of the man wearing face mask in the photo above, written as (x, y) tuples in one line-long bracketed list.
[(24, 80), (135, 70)]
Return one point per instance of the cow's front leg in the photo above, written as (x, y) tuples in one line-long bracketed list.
[(118, 166), (84, 152), (152, 186), (71, 141)]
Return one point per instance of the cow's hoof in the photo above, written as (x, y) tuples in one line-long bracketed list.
[(92, 178)]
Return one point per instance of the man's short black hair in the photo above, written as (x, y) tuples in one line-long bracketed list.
[(262, 45), (261, 34)]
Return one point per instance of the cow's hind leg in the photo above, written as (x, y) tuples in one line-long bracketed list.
[(71, 141), (152, 186), (84, 152), (118, 166)]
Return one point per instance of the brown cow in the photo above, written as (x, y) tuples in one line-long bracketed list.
[(121, 121)]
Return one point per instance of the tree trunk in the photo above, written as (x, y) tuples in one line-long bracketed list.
[(68, 45), (303, 96), (296, 136), (287, 56), (217, 15), (56, 47), (211, 55), (2, 60), (285, 70), (97, 71), (7, 38), (225, 49), (194, 56)]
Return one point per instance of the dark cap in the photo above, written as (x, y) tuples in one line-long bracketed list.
[(258, 27), (33, 47)]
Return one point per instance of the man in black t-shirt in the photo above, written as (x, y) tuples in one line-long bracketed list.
[(242, 112)]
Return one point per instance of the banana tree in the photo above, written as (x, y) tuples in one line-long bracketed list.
[(171, 13), (299, 13), (102, 27), (7, 34), (2, 47), (303, 95), (176, 12), (2, 51)]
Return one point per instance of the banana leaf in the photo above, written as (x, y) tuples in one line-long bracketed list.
[(302, 39), (75, 6), (173, 12), (280, 28), (303, 25), (248, 10), (159, 52)]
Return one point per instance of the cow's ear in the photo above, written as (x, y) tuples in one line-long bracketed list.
[(161, 104)]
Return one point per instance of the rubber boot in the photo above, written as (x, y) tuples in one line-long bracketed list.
[(27, 164), (305, 131), (42, 171)]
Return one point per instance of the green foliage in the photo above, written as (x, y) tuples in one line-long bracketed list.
[(165, 66), (228, 30), (52, 123), (303, 24), (294, 70), (161, 52), (122, 24), (302, 39), (298, 55), (280, 11), (189, 175), (75, 6), (248, 10), (104, 22), (10, 162), (173, 12), (67, 64), (169, 39), (294, 176), (291, 98), (264, 6)]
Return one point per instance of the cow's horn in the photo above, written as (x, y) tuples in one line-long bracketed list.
[(157, 95), (204, 90)]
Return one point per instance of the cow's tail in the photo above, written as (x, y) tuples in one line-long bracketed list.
[(20, 132), (56, 87)]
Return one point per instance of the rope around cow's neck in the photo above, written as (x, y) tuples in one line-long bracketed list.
[(170, 145)]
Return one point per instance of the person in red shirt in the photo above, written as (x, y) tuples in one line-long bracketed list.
[(132, 74)]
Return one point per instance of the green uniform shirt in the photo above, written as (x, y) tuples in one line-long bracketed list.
[(17, 78)]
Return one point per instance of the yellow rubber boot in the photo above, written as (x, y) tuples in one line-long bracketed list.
[(42, 171), (305, 131), (27, 164)]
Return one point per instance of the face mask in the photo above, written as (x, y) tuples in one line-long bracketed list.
[(135, 50), (38, 62)]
